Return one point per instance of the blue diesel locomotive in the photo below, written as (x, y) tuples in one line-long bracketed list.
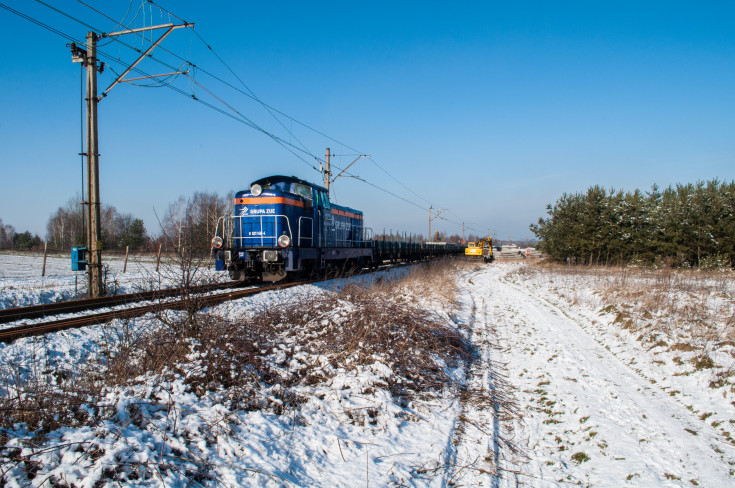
[(284, 225)]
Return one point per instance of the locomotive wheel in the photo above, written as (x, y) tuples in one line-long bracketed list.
[(237, 274)]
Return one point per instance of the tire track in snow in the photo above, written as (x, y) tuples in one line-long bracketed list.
[(479, 457), (588, 418)]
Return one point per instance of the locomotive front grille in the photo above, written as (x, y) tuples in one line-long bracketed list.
[(259, 230)]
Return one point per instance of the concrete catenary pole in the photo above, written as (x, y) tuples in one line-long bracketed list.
[(94, 244), (327, 171), (430, 209)]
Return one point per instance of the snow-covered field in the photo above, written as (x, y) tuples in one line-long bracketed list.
[(567, 383), (22, 285)]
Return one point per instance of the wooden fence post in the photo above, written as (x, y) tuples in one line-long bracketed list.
[(45, 248), (125, 267), (158, 258)]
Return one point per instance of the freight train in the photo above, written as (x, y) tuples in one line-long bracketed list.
[(283, 225)]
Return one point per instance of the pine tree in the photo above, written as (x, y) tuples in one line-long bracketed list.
[(682, 225)]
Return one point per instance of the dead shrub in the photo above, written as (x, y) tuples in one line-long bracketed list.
[(42, 396), (306, 343), (137, 351), (267, 360)]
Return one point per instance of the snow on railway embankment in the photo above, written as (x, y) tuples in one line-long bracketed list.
[(485, 375), (328, 385)]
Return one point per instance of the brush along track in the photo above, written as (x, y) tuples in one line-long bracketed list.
[(12, 333), (73, 306)]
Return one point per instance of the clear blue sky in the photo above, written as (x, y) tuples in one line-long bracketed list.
[(489, 110)]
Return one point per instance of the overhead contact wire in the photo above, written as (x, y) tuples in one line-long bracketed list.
[(252, 95), (244, 120)]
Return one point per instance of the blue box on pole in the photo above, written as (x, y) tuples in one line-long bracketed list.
[(78, 258)]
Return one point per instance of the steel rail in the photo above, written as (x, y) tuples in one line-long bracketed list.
[(11, 333), (201, 301), (71, 306)]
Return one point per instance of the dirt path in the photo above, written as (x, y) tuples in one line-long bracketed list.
[(587, 417), (483, 452)]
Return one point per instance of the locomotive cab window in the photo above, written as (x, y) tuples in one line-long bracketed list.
[(279, 186), (325, 199), (302, 190)]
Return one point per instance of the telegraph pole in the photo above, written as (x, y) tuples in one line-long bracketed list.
[(94, 244), (327, 171)]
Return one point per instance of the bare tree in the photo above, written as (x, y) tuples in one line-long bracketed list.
[(7, 233), (190, 222), (65, 227)]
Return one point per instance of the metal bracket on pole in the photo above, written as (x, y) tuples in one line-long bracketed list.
[(433, 217), (349, 166), (169, 28), (154, 76)]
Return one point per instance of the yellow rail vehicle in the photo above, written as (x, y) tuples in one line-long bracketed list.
[(473, 250), (481, 249), (487, 249)]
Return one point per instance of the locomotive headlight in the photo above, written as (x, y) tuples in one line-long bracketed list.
[(284, 241), (256, 190), (217, 242)]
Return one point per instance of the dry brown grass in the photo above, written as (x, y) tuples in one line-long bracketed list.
[(369, 326), (693, 311), (434, 281)]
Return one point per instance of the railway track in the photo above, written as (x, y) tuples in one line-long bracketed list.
[(73, 306), (11, 333)]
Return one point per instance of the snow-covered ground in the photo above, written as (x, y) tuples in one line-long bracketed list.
[(599, 407), (558, 391)]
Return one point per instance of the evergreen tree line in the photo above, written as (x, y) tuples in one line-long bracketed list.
[(685, 225), (10, 239)]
